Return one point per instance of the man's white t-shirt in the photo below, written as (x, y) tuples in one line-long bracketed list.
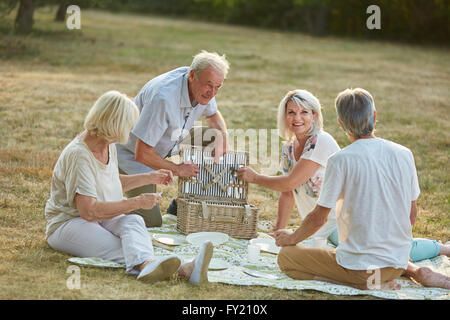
[(78, 171), (318, 148), (372, 183)]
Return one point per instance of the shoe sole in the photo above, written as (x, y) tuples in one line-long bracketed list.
[(163, 271), (206, 260)]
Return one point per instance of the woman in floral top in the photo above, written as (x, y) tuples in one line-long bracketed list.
[(303, 159)]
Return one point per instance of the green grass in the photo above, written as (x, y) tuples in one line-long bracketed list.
[(49, 80)]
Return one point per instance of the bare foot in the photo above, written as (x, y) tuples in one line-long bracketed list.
[(428, 278), (444, 249), (390, 285), (141, 266), (185, 270)]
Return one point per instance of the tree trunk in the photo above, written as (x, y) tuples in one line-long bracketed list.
[(61, 12), (307, 14), (321, 20), (316, 18), (24, 19)]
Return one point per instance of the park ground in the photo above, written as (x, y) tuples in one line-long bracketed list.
[(49, 80)]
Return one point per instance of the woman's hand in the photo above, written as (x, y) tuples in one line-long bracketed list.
[(148, 200), (284, 237), (247, 174), (161, 176)]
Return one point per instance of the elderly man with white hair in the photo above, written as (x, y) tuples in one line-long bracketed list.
[(373, 185), (86, 213), (169, 105)]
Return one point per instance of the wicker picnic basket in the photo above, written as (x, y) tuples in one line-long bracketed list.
[(215, 200)]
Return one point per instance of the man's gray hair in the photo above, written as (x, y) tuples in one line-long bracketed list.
[(205, 59), (355, 108)]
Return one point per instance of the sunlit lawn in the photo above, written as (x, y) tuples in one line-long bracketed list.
[(48, 81)]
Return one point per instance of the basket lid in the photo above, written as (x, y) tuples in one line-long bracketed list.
[(214, 181)]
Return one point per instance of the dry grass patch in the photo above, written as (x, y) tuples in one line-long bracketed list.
[(50, 79)]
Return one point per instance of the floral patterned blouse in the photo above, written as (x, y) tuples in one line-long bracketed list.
[(315, 182), (318, 148)]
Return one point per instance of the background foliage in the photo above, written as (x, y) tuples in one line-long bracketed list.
[(407, 20), (424, 21)]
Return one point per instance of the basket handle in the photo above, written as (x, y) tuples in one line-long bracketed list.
[(228, 219)]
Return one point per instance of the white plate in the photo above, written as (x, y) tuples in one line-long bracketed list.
[(168, 239), (218, 264), (259, 274), (197, 239), (266, 245)]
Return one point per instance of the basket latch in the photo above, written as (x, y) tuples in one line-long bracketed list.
[(205, 211), (248, 210)]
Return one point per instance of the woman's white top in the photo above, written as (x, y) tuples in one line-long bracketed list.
[(78, 171)]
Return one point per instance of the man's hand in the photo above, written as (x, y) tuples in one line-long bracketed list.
[(220, 146), (161, 176), (216, 121), (284, 238), (310, 225), (247, 174), (186, 170)]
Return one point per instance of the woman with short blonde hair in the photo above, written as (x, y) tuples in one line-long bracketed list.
[(87, 215), (112, 117)]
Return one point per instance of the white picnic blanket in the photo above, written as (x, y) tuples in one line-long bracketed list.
[(233, 253)]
